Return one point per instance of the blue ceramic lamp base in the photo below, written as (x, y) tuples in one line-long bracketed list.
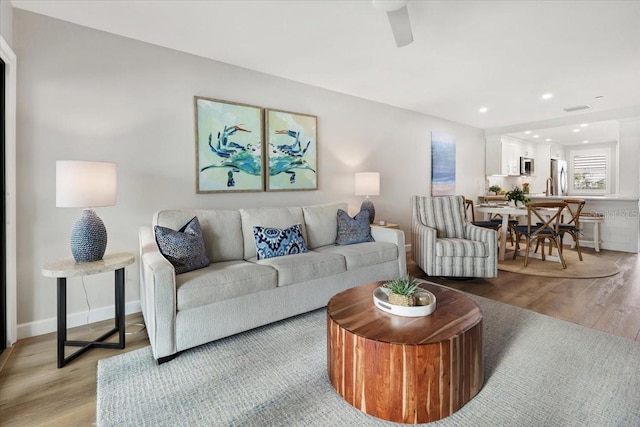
[(88, 237), (367, 205)]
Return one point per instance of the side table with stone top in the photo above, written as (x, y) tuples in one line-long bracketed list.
[(61, 270)]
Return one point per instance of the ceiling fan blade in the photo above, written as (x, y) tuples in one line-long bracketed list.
[(401, 26)]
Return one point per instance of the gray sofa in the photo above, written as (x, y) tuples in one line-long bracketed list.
[(237, 292)]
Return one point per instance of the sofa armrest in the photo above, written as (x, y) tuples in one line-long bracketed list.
[(423, 247), (381, 234), (157, 295)]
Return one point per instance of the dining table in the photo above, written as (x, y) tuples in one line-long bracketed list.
[(507, 212)]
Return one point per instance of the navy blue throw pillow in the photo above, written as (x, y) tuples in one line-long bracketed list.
[(273, 242), (353, 230), (184, 248)]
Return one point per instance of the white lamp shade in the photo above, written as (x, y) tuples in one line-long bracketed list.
[(367, 184), (82, 184)]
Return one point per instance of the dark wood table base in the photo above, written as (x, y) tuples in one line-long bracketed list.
[(430, 376)]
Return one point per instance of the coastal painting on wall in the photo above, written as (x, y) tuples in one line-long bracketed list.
[(229, 155), (292, 151), (443, 164)]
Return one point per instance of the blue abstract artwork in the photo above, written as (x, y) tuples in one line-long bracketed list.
[(443, 164)]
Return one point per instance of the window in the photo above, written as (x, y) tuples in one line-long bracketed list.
[(590, 171)]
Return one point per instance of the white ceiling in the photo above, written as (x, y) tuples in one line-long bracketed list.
[(503, 55), (577, 134)]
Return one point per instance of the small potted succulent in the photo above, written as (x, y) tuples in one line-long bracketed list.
[(517, 195), (402, 291)]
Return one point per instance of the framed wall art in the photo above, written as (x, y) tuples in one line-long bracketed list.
[(443, 164), (229, 148), (292, 151)]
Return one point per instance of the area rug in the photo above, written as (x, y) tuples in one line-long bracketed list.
[(539, 371), (591, 266)]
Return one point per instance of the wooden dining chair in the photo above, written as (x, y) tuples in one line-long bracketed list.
[(572, 227), (498, 218), (484, 224), (543, 223)]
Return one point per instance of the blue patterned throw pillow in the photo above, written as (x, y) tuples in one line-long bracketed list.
[(353, 230), (273, 242), (184, 248)]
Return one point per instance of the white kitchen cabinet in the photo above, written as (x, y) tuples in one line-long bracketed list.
[(502, 156)]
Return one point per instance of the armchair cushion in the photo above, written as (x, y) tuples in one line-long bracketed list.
[(461, 248)]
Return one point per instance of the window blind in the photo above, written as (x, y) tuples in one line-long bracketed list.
[(590, 172)]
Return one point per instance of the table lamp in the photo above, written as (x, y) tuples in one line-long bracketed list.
[(368, 184), (86, 185)]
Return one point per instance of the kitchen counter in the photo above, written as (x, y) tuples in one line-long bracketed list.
[(609, 198)]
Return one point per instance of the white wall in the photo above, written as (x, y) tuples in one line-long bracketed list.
[(629, 157), (6, 21), (89, 95)]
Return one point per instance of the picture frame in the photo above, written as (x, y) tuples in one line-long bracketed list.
[(443, 164), (291, 151), (229, 146)]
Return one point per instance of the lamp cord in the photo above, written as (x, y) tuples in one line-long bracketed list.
[(86, 298), (141, 326)]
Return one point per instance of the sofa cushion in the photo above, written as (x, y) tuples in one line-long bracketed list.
[(268, 217), (364, 254), (222, 280), (321, 222), (273, 242), (185, 248), (221, 229), (461, 248), (353, 230), (303, 267)]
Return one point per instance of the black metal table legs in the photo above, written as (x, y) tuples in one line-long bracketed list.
[(99, 342)]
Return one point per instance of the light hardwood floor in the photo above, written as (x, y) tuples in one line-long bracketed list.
[(33, 392)]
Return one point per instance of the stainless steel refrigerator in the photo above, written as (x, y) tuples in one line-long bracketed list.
[(559, 175)]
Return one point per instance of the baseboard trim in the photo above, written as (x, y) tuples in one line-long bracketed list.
[(45, 326)]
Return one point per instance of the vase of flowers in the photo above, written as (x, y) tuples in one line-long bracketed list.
[(517, 195)]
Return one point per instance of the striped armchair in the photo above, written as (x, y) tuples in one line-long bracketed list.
[(444, 243)]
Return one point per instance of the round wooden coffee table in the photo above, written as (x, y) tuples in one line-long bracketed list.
[(405, 369)]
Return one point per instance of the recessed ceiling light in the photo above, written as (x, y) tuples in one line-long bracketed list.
[(584, 125), (483, 110), (585, 142), (536, 136), (576, 130), (527, 132), (547, 96), (548, 139)]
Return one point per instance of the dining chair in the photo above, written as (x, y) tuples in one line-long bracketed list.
[(484, 224), (497, 218), (572, 227), (543, 223)]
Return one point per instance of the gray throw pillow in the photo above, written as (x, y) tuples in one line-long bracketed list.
[(184, 248), (353, 230)]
